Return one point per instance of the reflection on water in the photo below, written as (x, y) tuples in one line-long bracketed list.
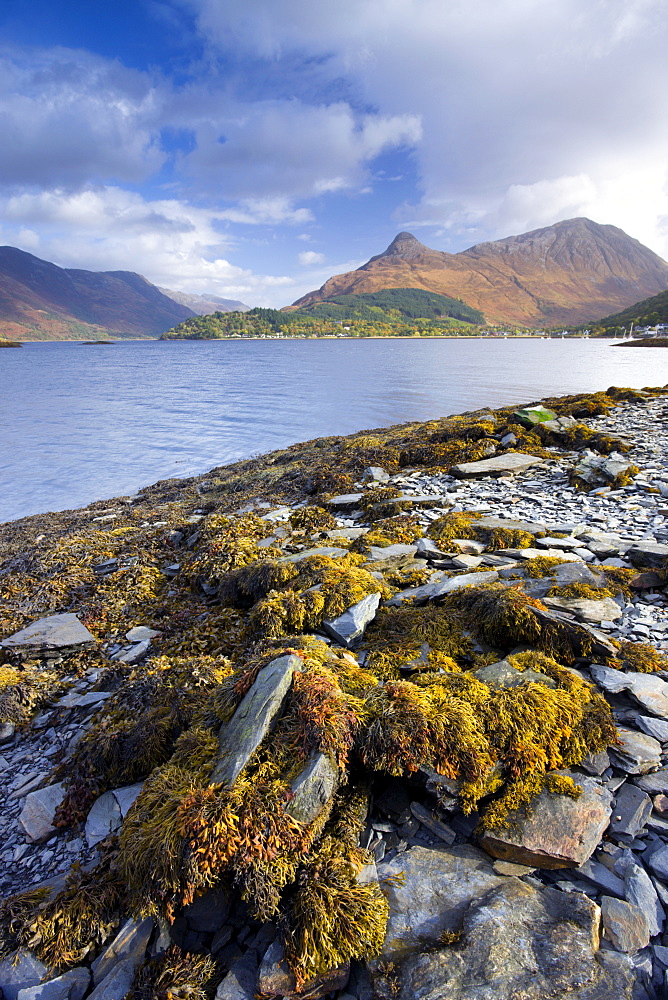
[(85, 423)]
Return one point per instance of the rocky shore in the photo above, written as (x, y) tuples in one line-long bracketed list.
[(383, 716)]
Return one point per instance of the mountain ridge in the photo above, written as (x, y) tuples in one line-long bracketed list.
[(41, 301), (569, 273)]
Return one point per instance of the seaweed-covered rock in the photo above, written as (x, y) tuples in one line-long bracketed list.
[(554, 830), (532, 415), (254, 718), (520, 942), (503, 675)]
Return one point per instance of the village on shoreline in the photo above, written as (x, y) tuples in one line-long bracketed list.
[(357, 718)]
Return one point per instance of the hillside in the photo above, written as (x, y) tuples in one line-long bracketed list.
[(404, 303), (203, 305), (645, 313), (568, 273), (41, 301), (406, 312)]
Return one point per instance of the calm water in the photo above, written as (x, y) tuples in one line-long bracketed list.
[(84, 423)]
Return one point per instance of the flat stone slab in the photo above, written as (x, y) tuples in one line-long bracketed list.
[(108, 812), (130, 943), (503, 675), (554, 831), (648, 690), (55, 632), (605, 610), (648, 554), (71, 985), (332, 551), (20, 971), (533, 527), (638, 752), (349, 627), (464, 580), (438, 885), (512, 462), (379, 553), (254, 718), (345, 501)]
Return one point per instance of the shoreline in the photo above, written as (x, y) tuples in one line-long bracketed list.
[(225, 574)]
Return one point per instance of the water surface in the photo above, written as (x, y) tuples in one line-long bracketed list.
[(83, 423)]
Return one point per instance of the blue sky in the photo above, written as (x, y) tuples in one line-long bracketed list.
[(252, 148)]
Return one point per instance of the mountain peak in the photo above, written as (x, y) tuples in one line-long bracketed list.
[(405, 246)]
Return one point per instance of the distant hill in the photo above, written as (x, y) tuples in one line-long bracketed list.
[(406, 303), (644, 313), (41, 301), (203, 305), (568, 273)]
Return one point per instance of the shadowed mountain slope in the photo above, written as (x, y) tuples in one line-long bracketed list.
[(41, 301)]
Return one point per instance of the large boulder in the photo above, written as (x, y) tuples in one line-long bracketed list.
[(428, 890), (38, 813), (553, 830), (519, 943)]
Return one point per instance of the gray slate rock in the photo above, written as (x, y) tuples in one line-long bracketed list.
[(653, 727), (520, 943), (241, 981), (585, 609), (630, 812), (640, 890), (439, 884), (658, 862), (117, 983), (276, 979), (648, 690), (38, 813), (332, 551), (375, 474), (209, 912), (20, 971), (349, 627), (71, 985), (638, 752), (313, 789), (648, 553), (655, 783), (465, 580), (254, 718), (129, 945), (108, 812), (512, 462), (59, 632)]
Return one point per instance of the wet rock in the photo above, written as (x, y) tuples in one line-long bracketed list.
[(587, 610), (638, 753), (520, 942), (503, 675), (276, 979), (88, 700), (313, 789), (60, 632), (129, 945), (20, 971), (71, 985), (512, 462), (254, 718), (554, 831), (349, 627), (38, 813), (624, 924), (132, 655), (439, 884)]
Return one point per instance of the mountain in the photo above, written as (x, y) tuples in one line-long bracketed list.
[(203, 305), (40, 301), (646, 313), (392, 303), (568, 273)]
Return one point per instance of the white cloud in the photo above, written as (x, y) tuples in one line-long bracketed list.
[(309, 257), (530, 110)]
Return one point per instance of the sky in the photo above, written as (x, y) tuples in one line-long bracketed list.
[(252, 148)]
